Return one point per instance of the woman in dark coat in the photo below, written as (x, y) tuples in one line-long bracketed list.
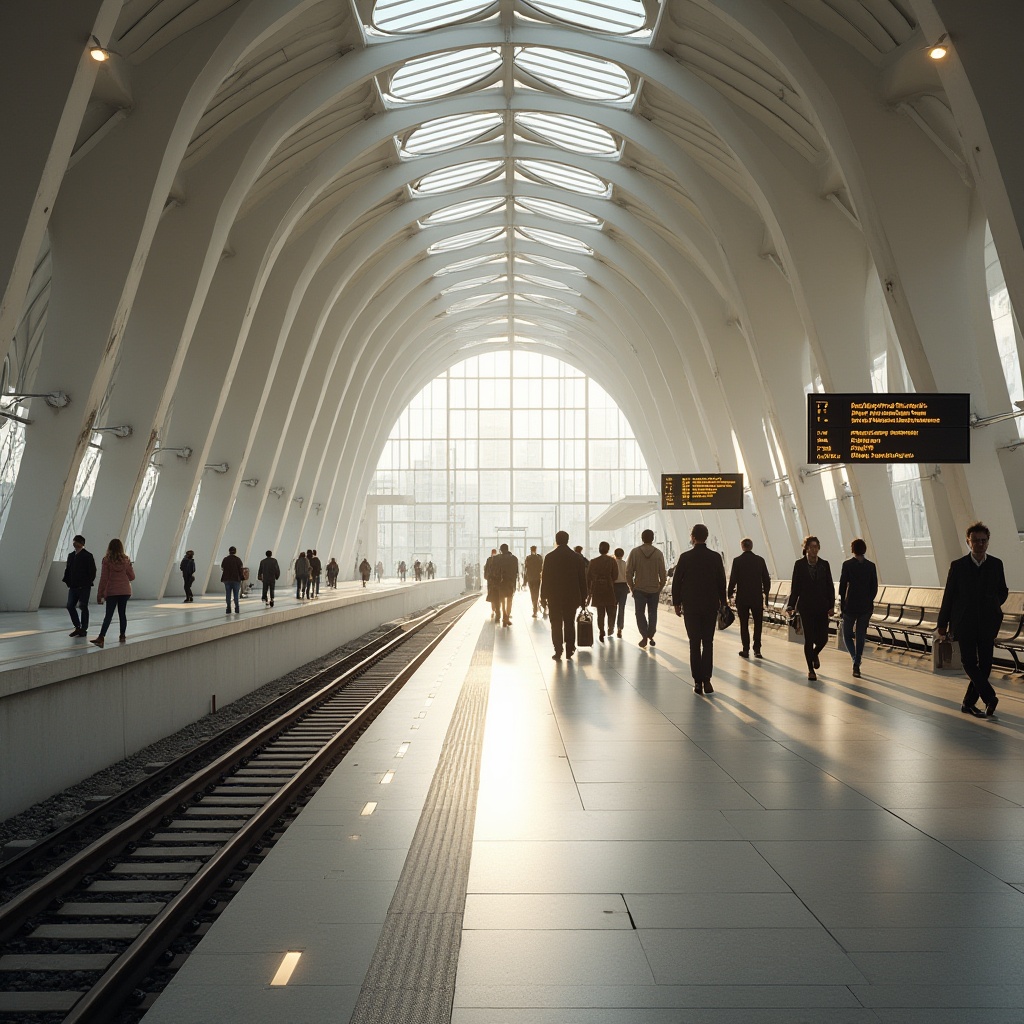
[(813, 594), (602, 573)]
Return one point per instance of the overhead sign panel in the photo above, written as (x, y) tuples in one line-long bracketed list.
[(702, 490), (888, 428)]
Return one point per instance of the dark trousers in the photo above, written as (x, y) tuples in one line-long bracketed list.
[(646, 612), (232, 588), (621, 595), (78, 601), (604, 610), (855, 633), (534, 594), (976, 658), (700, 628), (120, 603), (188, 581), (815, 634), (301, 586), (563, 627), (268, 590), (744, 610)]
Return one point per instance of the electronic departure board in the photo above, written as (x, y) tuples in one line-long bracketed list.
[(702, 490), (888, 428)]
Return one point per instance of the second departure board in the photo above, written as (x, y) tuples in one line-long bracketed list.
[(702, 490), (888, 428)]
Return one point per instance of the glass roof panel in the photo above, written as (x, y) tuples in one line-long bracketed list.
[(420, 15), (464, 211), (567, 132), (472, 261), (545, 282), (576, 74), (548, 302), (475, 301), (550, 261), (466, 239), (575, 179), (448, 179), (557, 211), (619, 16), (440, 74), (474, 282), (447, 133), (555, 239)]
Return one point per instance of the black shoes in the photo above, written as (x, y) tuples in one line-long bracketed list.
[(569, 653), (856, 671), (643, 642), (811, 676), (744, 653), (708, 688), (757, 652), (557, 656), (78, 632), (650, 640), (698, 687), (990, 709), (817, 664), (970, 709)]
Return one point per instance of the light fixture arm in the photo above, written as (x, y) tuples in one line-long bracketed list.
[(122, 431), (182, 453), (277, 492), (1000, 417), (54, 399), (806, 471), (776, 480), (217, 467), (251, 482)]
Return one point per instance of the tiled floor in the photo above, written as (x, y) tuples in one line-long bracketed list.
[(846, 850)]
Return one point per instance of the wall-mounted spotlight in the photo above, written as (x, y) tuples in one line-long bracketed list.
[(298, 501), (182, 453), (217, 467), (98, 51), (1000, 417), (277, 491), (940, 48), (316, 506), (54, 399), (251, 482), (122, 431)]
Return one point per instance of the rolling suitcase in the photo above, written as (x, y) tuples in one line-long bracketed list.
[(584, 629)]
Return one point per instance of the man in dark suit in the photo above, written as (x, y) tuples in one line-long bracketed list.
[(972, 611), (698, 591), (564, 588), (750, 584), (79, 575)]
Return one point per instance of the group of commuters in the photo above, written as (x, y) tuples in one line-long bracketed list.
[(115, 587), (564, 581)]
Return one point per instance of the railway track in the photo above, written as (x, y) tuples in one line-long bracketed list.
[(81, 939)]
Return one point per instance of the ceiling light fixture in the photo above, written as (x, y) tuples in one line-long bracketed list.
[(98, 51), (940, 48)]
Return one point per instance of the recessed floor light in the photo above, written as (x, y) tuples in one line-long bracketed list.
[(284, 972)]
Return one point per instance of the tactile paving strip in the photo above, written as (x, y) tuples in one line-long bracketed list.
[(412, 975)]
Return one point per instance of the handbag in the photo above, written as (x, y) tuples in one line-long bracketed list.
[(726, 617), (796, 626), (942, 653), (584, 629)]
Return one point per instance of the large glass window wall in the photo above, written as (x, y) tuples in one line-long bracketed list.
[(508, 446)]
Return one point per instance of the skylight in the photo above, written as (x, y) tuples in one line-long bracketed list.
[(622, 17), (441, 74), (555, 239), (446, 133), (464, 211), (472, 261), (545, 282), (421, 15), (466, 239), (475, 302), (567, 132), (575, 179), (448, 179), (576, 74), (548, 303), (557, 211), (550, 262), (474, 282)]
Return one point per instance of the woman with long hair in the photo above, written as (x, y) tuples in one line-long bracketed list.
[(116, 575), (812, 594)]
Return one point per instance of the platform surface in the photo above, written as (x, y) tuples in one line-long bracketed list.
[(840, 851)]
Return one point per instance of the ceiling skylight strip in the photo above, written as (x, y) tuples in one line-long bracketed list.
[(464, 211), (442, 74), (622, 17), (568, 132), (575, 74), (418, 16), (448, 133)]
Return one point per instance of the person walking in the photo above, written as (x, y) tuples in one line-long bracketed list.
[(79, 576), (508, 575), (332, 573), (601, 575), (646, 576), (231, 576), (301, 576), (187, 568), (316, 568), (750, 584), (564, 587), (364, 571), (698, 591), (493, 577), (533, 565), (114, 590), (417, 570), (379, 569), (269, 573), (858, 585), (621, 592), (972, 611), (402, 570), (813, 595)]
